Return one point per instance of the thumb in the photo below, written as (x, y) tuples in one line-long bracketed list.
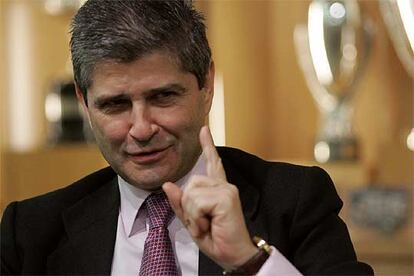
[(174, 195)]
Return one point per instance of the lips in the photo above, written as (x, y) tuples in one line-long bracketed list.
[(148, 157)]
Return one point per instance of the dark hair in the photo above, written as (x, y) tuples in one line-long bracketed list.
[(125, 30)]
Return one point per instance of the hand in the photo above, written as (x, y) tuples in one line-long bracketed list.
[(210, 208)]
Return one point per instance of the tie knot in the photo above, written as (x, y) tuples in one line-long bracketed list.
[(159, 210)]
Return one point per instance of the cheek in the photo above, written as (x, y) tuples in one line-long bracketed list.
[(182, 122), (110, 129)]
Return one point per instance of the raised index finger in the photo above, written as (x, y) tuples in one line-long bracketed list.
[(214, 165)]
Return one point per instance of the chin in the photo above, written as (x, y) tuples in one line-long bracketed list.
[(150, 180), (145, 184)]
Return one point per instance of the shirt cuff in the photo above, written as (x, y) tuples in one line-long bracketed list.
[(277, 264)]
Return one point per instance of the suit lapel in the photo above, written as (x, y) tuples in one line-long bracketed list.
[(250, 200), (91, 226)]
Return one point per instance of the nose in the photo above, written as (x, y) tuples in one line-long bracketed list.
[(142, 127)]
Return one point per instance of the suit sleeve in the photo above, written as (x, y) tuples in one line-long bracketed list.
[(10, 262), (320, 238)]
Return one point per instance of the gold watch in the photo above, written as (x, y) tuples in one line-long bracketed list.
[(253, 265)]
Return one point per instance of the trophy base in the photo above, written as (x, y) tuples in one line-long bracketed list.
[(336, 150)]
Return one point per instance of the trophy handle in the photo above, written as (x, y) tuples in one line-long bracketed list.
[(398, 16), (325, 101)]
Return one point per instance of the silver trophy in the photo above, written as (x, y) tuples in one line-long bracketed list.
[(399, 18), (332, 51)]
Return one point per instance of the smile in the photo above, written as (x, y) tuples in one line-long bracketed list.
[(149, 157)]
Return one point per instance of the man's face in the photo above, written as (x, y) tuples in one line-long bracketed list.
[(146, 117)]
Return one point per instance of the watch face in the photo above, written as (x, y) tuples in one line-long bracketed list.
[(262, 244), (253, 265)]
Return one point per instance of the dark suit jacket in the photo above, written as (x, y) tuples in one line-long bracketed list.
[(73, 230)]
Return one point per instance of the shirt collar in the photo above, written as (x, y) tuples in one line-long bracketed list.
[(132, 197)]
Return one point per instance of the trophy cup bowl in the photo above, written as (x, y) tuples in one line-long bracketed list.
[(332, 51)]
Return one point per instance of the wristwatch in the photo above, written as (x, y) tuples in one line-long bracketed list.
[(253, 265)]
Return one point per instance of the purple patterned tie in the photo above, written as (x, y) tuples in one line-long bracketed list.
[(158, 256)]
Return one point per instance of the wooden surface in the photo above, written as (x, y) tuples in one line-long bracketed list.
[(29, 174)]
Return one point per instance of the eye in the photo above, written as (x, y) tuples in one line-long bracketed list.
[(164, 97), (114, 106)]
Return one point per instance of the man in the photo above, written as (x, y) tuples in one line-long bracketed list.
[(144, 77)]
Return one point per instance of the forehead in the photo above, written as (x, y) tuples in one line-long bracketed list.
[(153, 60), (156, 62), (157, 68)]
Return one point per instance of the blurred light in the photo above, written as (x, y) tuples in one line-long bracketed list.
[(322, 152), (410, 140), (217, 114), (21, 99), (53, 7), (406, 9), (57, 7), (337, 10), (53, 107), (349, 51), (317, 43)]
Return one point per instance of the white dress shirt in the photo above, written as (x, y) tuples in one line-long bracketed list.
[(133, 227)]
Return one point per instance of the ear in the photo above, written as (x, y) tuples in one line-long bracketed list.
[(82, 101), (209, 89)]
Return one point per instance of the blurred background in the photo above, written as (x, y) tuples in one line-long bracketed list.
[(270, 100)]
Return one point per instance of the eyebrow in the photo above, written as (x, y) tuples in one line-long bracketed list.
[(103, 99), (123, 95), (174, 86)]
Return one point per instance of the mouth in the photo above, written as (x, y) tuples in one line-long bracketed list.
[(148, 157)]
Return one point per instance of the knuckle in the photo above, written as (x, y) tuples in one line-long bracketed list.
[(233, 190), (186, 199), (191, 182), (195, 181), (219, 163)]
